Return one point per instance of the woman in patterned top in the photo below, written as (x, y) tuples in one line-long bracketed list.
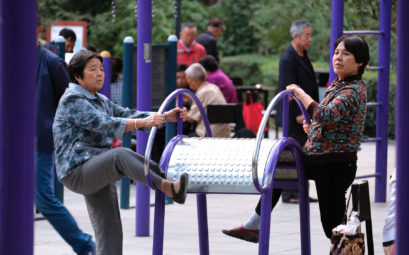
[(84, 126), (337, 125)]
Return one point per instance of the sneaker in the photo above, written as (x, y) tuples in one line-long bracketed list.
[(242, 233)]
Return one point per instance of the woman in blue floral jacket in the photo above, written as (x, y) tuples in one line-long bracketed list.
[(84, 126)]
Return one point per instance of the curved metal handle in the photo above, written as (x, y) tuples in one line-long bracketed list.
[(282, 95), (161, 110)]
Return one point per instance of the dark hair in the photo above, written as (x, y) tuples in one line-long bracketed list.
[(68, 33), (78, 62), (91, 48), (215, 22), (181, 68), (116, 68), (209, 63), (358, 47)]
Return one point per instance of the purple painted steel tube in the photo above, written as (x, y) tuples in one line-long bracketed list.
[(202, 224), (383, 98), (285, 116), (265, 220), (337, 26), (17, 118), (401, 128), (177, 93), (159, 223), (106, 89), (144, 103)]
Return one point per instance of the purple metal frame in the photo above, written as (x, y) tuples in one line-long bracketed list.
[(144, 103), (382, 113), (17, 118), (159, 220), (106, 89), (285, 143), (337, 23), (402, 127)]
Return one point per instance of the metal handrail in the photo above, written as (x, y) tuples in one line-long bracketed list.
[(282, 95), (161, 110)]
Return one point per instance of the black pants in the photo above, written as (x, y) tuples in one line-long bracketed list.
[(332, 181), (301, 138)]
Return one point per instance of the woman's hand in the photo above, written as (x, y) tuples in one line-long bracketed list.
[(305, 126), (297, 91), (305, 99), (172, 114), (155, 119)]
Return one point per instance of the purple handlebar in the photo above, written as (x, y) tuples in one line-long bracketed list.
[(260, 133), (177, 93)]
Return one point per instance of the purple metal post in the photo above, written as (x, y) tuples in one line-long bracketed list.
[(337, 25), (106, 62), (144, 103), (383, 99), (401, 128), (265, 220), (17, 118), (202, 224)]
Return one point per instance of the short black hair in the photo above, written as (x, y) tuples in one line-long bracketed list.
[(215, 22), (91, 47), (78, 62), (181, 68), (68, 33), (209, 63), (358, 47)]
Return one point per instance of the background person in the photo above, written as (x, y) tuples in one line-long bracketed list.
[(295, 68), (216, 76), (209, 38), (390, 223), (207, 93), (70, 39), (51, 81), (333, 137), (188, 50), (84, 125)]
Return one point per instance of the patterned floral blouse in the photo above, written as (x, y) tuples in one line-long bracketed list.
[(84, 126), (338, 121)]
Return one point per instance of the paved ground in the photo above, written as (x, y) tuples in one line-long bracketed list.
[(224, 211)]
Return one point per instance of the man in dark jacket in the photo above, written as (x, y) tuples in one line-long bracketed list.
[(296, 68), (209, 38), (51, 81)]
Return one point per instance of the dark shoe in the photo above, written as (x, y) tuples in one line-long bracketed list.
[(291, 201), (313, 200), (180, 197), (296, 200), (242, 233)]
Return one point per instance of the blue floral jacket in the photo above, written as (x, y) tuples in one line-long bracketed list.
[(84, 126)]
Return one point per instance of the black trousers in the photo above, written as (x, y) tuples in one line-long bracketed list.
[(332, 181)]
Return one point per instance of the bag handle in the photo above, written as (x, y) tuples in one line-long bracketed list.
[(249, 97), (344, 221)]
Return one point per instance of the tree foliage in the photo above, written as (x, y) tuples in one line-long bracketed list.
[(251, 26)]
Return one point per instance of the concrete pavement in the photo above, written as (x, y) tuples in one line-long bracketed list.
[(224, 211)]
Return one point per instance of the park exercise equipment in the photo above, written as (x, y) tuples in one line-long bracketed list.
[(232, 166), (383, 69)]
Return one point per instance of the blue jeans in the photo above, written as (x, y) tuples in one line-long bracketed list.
[(54, 211)]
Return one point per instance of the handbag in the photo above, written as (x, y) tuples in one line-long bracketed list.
[(345, 244), (252, 113)]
